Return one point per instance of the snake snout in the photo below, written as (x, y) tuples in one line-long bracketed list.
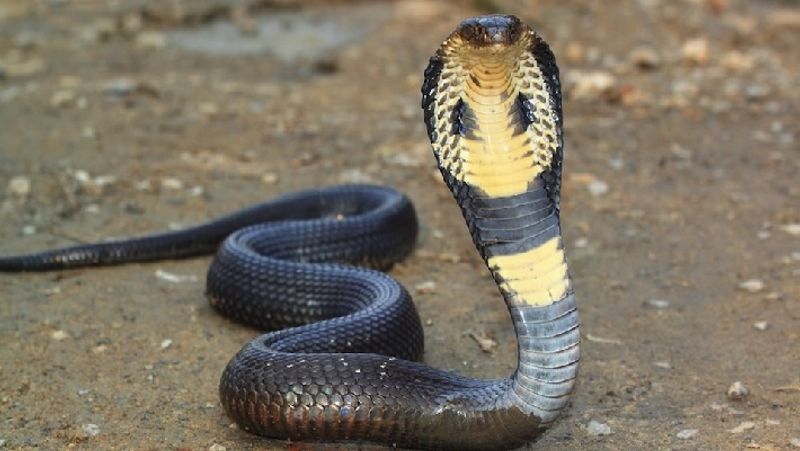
[(490, 30)]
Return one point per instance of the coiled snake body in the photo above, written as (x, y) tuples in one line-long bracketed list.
[(340, 363)]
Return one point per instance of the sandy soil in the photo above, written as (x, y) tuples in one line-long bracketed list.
[(681, 207)]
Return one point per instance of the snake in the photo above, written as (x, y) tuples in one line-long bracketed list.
[(340, 359)]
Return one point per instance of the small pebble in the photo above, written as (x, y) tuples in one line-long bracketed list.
[(19, 186), (208, 108), (355, 176), (92, 209), (171, 183), (99, 349), (663, 365), (791, 229), (795, 442), (59, 335), (28, 230), (597, 187), (62, 98), (763, 234), (597, 428), (217, 447), (695, 51), (197, 191), (152, 40), (91, 429), (644, 58), (143, 185), (270, 178), (752, 285), (659, 304), (166, 343), (120, 87), (581, 242), (756, 92), (687, 434), (590, 85), (175, 278), (760, 325), (737, 391), (83, 392), (744, 426), (429, 286), (485, 342)]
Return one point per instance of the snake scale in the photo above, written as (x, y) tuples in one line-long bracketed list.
[(341, 362)]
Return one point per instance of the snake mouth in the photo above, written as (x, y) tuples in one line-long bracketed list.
[(496, 31)]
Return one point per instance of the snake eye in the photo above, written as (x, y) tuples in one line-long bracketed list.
[(469, 32)]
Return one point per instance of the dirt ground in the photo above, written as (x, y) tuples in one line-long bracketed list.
[(681, 205)]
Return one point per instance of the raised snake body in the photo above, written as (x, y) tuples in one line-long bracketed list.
[(345, 368)]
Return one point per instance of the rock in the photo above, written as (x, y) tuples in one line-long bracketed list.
[(737, 391), (175, 278), (171, 183), (486, 343), (658, 304), (737, 61), (143, 185), (24, 68), (119, 87), (644, 58), (590, 85), (270, 178), (217, 447), (603, 340), (429, 286), (151, 40), (744, 426), (717, 6), (574, 52), (791, 229), (62, 98), (695, 51), (687, 434), (355, 176), (795, 442), (59, 335), (784, 18), (752, 285), (760, 325), (663, 365), (597, 187), (757, 92), (19, 186), (598, 429), (91, 429)]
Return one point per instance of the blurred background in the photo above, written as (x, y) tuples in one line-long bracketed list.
[(681, 205)]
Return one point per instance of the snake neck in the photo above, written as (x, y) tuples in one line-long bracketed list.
[(493, 113)]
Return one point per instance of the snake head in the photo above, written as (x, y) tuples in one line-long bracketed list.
[(492, 30)]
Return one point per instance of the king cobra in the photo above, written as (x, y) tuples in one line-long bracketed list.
[(341, 362)]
